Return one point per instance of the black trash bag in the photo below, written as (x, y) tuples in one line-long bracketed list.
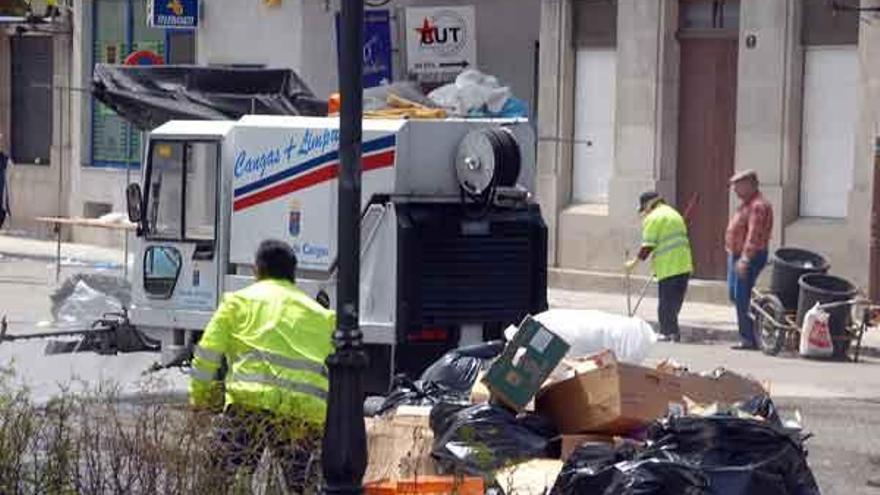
[(740, 456), (481, 439), (449, 379), (763, 407), (457, 370), (603, 469)]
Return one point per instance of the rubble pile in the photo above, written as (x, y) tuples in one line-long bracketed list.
[(536, 415)]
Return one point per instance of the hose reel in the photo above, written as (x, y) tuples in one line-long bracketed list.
[(487, 159)]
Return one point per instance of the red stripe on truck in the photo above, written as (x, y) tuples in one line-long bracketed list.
[(380, 160)]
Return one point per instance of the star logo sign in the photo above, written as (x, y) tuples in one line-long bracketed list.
[(427, 32)]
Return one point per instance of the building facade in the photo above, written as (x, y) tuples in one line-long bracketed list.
[(101, 152), (676, 95)]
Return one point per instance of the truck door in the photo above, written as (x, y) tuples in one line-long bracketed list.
[(178, 259)]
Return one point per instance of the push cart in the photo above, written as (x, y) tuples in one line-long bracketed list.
[(777, 329)]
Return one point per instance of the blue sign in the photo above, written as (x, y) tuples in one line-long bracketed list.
[(377, 47), (174, 14)]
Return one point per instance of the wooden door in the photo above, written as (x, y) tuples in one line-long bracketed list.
[(706, 145)]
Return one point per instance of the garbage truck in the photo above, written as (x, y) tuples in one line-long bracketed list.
[(453, 245)]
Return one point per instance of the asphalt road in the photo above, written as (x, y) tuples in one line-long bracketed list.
[(840, 402)]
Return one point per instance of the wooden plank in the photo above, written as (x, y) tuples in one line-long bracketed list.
[(87, 222)]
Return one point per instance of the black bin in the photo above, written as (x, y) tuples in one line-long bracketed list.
[(789, 265), (823, 289)]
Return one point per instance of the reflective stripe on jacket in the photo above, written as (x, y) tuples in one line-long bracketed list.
[(665, 231), (274, 340)]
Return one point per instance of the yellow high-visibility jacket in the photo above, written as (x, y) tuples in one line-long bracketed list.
[(275, 339), (665, 231)]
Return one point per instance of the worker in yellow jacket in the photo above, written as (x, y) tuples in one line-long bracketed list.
[(665, 241), (261, 360)]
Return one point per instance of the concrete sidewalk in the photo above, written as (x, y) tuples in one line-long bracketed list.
[(46, 250)]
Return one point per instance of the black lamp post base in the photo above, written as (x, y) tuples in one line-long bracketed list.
[(345, 439)]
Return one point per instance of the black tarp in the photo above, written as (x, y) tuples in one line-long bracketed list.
[(149, 96)]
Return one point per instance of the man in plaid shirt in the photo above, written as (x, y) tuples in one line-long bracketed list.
[(746, 241)]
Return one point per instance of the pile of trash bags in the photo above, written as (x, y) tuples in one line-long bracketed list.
[(710, 448), (741, 450)]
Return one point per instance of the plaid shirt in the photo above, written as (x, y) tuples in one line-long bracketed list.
[(750, 227)]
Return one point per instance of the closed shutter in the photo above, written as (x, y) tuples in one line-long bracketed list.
[(595, 90), (829, 125), (31, 131)]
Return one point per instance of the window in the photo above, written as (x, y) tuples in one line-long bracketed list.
[(162, 266), (32, 93), (16, 8), (709, 14), (182, 190), (823, 25), (165, 192)]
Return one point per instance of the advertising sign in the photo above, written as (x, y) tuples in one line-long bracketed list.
[(440, 41), (377, 47), (173, 14)]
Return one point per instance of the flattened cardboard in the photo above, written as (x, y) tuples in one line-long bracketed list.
[(529, 358)]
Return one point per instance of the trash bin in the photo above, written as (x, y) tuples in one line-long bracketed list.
[(789, 265), (822, 288)]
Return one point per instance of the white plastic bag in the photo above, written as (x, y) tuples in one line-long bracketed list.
[(471, 91), (590, 331), (86, 305), (815, 334)]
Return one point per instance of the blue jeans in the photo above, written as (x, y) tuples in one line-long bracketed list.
[(740, 290)]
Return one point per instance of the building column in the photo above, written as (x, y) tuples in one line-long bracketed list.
[(555, 111), (647, 102), (867, 131), (80, 105), (769, 103)]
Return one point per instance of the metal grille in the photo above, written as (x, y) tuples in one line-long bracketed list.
[(494, 276)]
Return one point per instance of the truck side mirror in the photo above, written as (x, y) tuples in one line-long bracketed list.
[(134, 200)]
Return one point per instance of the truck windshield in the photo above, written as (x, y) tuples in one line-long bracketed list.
[(182, 190)]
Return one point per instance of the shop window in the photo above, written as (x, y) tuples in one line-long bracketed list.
[(120, 28)]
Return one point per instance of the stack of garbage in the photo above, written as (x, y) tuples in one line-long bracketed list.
[(567, 406), (473, 94)]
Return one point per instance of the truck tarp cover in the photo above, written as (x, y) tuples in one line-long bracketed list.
[(149, 96)]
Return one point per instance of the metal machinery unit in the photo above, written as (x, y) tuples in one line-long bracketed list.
[(453, 249)]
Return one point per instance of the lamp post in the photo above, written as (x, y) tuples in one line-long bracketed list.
[(344, 452)]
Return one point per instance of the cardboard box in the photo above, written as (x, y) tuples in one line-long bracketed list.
[(570, 442), (615, 399), (399, 447), (726, 387), (529, 358), (619, 398)]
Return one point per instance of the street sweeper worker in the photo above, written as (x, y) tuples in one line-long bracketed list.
[(665, 241)]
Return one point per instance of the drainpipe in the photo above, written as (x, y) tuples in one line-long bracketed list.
[(874, 274)]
